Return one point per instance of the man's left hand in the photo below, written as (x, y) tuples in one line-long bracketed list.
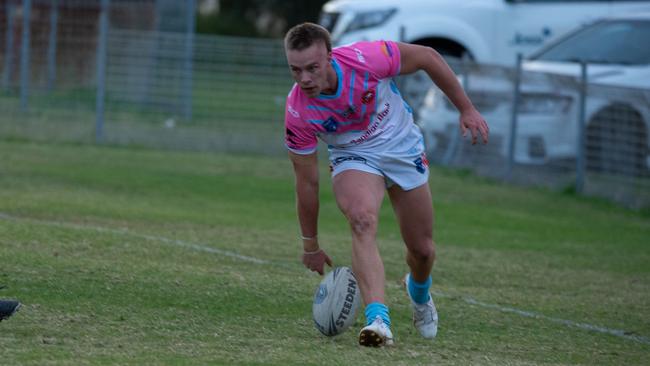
[(473, 122)]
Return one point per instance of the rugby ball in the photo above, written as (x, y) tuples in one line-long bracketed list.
[(336, 302)]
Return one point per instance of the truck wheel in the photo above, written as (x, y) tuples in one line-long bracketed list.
[(616, 142), (414, 87)]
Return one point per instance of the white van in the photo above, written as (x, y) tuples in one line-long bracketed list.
[(487, 31)]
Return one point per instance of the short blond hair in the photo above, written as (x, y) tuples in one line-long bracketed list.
[(303, 35)]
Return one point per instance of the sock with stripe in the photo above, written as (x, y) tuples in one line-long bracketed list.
[(419, 290), (375, 309)]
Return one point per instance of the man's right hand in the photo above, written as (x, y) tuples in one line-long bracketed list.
[(316, 260)]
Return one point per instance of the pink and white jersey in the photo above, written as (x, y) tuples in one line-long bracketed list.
[(365, 112)]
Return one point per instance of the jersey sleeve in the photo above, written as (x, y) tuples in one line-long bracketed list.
[(381, 57), (298, 137)]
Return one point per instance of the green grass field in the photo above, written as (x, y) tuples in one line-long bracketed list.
[(135, 256)]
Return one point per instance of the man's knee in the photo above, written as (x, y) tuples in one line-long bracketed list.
[(424, 251), (362, 221)]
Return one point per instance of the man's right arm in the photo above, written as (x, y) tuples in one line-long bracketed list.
[(305, 168)]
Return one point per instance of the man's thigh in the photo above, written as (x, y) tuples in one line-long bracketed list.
[(358, 191)]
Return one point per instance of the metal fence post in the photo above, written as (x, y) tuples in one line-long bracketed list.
[(24, 55), (580, 143), (513, 118), (51, 48), (9, 46), (152, 59), (189, 54), (101, 70), (402, 38)]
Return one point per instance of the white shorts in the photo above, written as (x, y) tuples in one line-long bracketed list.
[(403, 163)]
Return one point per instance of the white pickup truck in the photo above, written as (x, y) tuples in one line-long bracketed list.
[(487, 31), (494, 32)]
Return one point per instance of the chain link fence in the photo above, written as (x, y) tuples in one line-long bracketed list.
[(133, 72), (546, 129)]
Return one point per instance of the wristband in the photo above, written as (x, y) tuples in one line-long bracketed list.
[(308, 238)]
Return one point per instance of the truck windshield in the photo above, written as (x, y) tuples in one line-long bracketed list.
[(608, 42)]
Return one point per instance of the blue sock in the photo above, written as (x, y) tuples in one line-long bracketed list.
[(375, 309), (419, 290)]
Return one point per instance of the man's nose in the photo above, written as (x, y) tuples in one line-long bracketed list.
[(305, 78)]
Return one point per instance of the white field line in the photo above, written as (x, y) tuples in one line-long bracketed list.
[(204, 248), (180, 243), (532, 314)]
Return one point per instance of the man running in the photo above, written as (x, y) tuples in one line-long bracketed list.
[(346, 97)]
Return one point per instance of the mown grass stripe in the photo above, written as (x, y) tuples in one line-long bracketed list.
[(177, 242), (208, 249)]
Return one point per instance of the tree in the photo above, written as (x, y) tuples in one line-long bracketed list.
[(258, 18)]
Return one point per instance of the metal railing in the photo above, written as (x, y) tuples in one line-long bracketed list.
[(559, 131)]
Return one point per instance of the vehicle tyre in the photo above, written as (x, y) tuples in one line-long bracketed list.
[(616, 142), (414, 87)]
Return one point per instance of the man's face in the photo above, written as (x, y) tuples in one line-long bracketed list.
[(309, 68)]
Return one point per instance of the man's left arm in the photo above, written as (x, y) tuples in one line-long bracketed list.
[(416, 57)]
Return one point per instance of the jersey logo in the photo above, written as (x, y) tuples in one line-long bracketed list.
[(290, 136), (368, 97), (348, 112), (386, 49), (330, 124), (360, 55), (293, 112)]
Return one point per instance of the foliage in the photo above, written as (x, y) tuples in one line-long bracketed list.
[(240, 17)]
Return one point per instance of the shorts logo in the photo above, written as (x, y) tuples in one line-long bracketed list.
[(343, 159), (330, 124), (421, 163), (368, 97)]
